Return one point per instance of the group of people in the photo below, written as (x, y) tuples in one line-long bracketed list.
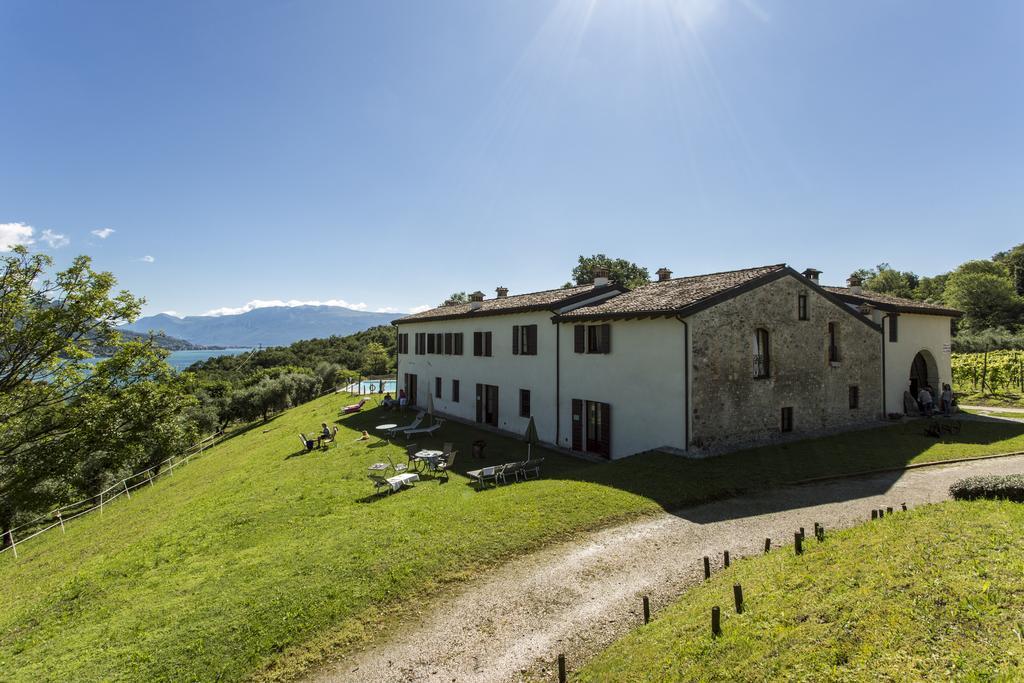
[(926, 400), (401, 402)]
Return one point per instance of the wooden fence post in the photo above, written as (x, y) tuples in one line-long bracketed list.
[(60, 518), (726, 558), (707, 567), (798, 544), (126, 491), (647, 610), (737, 594), (716, 621), (561, 669), (14, 546), (767, 545)]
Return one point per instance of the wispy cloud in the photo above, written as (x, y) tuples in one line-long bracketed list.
[(420, 309), (12, 234), (54, 239), (103, 233), (291, 303), (147, 259)]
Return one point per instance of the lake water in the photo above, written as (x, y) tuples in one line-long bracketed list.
[(179, 360)]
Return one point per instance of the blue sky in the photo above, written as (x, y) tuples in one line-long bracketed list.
[(388, 153)]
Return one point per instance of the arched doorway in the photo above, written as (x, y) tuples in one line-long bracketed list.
[(923, 372)]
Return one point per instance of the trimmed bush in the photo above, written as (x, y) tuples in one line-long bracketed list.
[(1001, 487)]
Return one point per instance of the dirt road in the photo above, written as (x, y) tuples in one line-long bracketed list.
[(576, 598)]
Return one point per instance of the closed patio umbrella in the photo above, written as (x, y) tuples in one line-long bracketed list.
[(430, 406), (530, 437)]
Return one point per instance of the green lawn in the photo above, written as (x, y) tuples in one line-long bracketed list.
[(256, 559), (932, 594), (997, 413)]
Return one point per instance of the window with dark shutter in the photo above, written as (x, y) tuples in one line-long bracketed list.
[(437, 387), (515, 340), (579, 338), (458, 343), (894, 332), (439, 343), (801, 307), (487, 343), (455, 391), (606, 338), (448, 343), (531, 340), (577, 424), (524, 403), (478, 343), (599, 339), (421, 343), (430, 343), (833, 344), (854, 397)]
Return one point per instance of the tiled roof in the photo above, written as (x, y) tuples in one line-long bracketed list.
[(892, 303), (547, 300), (672, 296)]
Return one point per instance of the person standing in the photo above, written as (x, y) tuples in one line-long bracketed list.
[(403, 400), (947, 400), (924, 400)]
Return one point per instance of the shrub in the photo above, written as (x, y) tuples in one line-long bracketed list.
[(1003, 487)]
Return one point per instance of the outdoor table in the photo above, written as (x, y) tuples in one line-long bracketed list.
[(400, 480), (384, 429), (379, 466), (428, 456)]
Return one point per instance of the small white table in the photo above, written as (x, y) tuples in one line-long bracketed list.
[(400, 480), (384, 428)]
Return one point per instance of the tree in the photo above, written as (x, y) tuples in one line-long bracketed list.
[(59, 415), (619, 270), (1013, 261), (885, 279), (456, 298), (984, 292), (375, 359)]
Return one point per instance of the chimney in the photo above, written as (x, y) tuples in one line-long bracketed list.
[(502, 292), (812, 274), (476, 300), (600, 277), (854, 283), (663, 274)]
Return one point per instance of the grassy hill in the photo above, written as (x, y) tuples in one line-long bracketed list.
[(932, 594), (258, 558)]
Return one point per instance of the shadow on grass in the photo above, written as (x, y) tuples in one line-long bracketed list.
[(676, 483)]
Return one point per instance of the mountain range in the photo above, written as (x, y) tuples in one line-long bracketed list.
[(271, 326)]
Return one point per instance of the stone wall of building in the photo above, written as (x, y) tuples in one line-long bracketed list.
[(731, 407)]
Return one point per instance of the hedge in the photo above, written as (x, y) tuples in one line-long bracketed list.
[(1001, 487)]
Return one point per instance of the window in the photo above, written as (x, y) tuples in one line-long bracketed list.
[(787, 420), (455, 391), (952, 327), (439, 343), (801, 307), (481, 343), (599, 339), (524, 403), (854, 397), (592, 339), (457, 344), (762, 354), (448, 343), (430, 343), (524, 340), (833, 344), (894, 328), (437, 387), (421, 343), (403, 343)]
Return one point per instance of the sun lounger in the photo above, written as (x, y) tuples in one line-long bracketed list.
[(354, 408), (482, 476), (412, 425), (530, 466), (308, 444), (424, 430), (394, 483)]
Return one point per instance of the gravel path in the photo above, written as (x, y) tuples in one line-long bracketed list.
[(577, 597)]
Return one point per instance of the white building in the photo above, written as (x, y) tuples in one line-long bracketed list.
[(687, 364)]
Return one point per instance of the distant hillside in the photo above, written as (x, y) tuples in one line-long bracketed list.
[(273, 326), (161, 340)]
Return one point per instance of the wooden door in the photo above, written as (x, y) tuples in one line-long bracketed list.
[(491, 405)]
